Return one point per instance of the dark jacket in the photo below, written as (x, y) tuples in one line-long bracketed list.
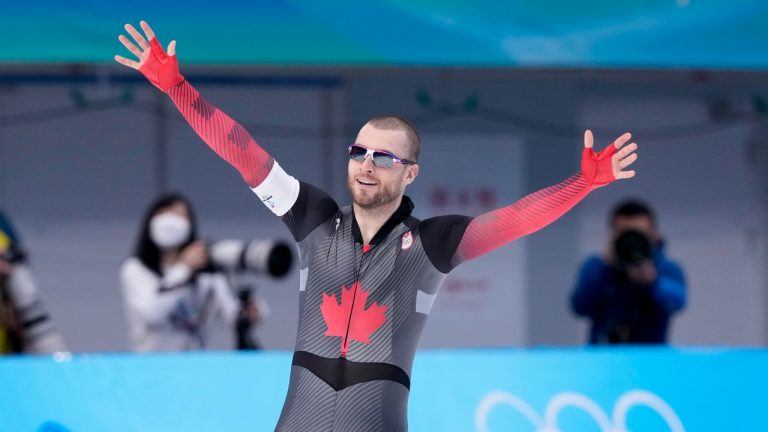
[(624, 312)]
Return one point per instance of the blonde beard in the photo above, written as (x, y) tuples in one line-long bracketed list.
[(383, 197)]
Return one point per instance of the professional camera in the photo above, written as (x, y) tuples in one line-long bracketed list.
[(631, 247), (267, 257), (242, 260)]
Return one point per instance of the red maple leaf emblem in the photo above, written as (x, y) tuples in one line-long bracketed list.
[(350, 319)]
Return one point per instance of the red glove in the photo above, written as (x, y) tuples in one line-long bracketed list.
[(161, 69), (597, 168)]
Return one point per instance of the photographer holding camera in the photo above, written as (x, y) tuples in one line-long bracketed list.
[(631, 292), (173, 292), (25, 326)]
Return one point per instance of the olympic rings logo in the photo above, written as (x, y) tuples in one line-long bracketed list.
[(616, 423)]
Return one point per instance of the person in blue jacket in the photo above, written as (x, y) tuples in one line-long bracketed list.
[(630, 293)]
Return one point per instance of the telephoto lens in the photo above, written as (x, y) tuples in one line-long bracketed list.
[(269, 257)]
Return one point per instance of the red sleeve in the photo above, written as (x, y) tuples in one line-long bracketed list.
[(532, 213), (222, 134), (537, 210)]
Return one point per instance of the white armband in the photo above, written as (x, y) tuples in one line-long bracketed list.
[(279, 191)]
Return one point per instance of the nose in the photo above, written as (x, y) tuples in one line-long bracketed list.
[(367, 163)]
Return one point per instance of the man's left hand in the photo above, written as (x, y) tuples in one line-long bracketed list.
[(608, 165)]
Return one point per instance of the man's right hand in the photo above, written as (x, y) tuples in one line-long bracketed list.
[(161, 69)]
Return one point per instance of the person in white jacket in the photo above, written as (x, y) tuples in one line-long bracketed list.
[(25, 325), (172, 298)]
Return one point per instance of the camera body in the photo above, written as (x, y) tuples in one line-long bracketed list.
[(631, 247)]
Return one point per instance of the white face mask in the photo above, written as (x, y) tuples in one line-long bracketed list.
[(169, 230)]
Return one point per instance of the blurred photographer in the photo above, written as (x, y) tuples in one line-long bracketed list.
[(173, 294), (25, 326), (630, 293)]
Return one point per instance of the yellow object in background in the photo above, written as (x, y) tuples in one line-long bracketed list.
[(5, 241)]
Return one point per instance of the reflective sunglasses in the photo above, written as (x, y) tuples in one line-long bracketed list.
[(380, 158)]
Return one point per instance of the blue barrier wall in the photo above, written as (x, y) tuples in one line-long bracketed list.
[(484, 390)]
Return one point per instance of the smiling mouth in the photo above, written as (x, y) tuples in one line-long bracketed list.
[(366, 182)]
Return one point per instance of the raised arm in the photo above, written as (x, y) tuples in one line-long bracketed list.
[(222, 134), (537, 210)]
